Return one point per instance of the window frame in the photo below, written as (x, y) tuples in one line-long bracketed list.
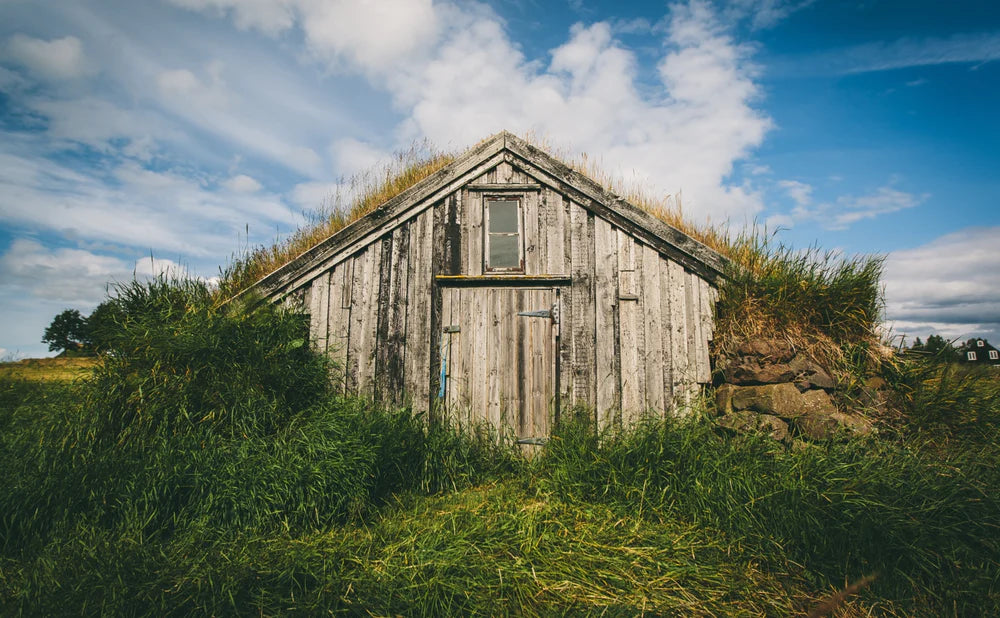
[(994, 355), (503, 197), (970, 355), (979, 343)]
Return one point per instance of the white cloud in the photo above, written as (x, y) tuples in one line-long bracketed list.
[(373, 36), (685, 136), (846, 210), (165, 211), (181, 86), (900, 54), (152, 267), (950, 286), (268, 16), (72, 276), (884, 200), (458, 77), (764, 14), (351, 156), (55, 59), (368, 35), (242, 183), (800, 192)]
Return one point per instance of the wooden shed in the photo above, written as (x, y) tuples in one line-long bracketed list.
[(506, 287)]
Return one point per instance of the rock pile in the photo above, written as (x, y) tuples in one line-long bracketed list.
[(770, 387)]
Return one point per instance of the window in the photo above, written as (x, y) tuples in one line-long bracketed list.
[(994, 355), (979, 343), (970, 355), (503, 251)]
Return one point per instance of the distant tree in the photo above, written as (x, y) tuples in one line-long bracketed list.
[(68, 331), (941, 349), (917, 344)]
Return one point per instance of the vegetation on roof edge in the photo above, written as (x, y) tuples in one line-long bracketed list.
[(822, 300)]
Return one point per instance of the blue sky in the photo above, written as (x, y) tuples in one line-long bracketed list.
[(138, 137)]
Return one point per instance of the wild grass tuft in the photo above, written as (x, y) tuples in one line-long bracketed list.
[(923, 519), (226, 420), (949, 400), (351, 200)]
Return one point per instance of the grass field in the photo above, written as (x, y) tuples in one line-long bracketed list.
[(206, 468), (58, 369)]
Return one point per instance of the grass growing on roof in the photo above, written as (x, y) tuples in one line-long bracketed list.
[(352, 199), (364, 192)]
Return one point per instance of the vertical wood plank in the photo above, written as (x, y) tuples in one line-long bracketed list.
[(640, 331), (653, 354), (567, 340), (354, 324), (419, 340), (506, 369), (542, 239), (542, 366), (705, 332), (532, 254), (452, 235), (369, 320), (608, 380), (666, 332), (396, 342), (438, 232), (504, 173), (336, 347), (480, 310), (450, 348), (319, 311), (629, 324), (693, 309), (679, 334), (552, 212), (383, 309), (584, 320), (473, 236)]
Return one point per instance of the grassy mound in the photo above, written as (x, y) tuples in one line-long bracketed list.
[(923, 519), (196, 417)]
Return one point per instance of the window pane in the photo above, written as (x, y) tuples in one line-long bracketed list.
[(503, 217), (504, 252)]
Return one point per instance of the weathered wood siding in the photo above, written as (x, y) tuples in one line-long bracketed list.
[(634, 323)]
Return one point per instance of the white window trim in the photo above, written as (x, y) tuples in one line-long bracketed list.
[(979, 343), (994, 355), (970, 356), (486, 232)]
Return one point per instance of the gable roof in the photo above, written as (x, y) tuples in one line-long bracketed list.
[(547, 170)]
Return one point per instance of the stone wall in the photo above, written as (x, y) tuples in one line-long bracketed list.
[(767, 385)]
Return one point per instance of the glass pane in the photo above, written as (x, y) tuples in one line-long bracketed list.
[(504, 251), (503, 217)]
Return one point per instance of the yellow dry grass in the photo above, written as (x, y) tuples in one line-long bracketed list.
[(59, 369), (365, 192)]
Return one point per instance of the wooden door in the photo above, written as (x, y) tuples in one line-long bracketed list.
[(499, 367)]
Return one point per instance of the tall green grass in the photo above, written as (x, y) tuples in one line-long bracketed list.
[(775, 290), (923, 520), (227, 420), (207, 468)]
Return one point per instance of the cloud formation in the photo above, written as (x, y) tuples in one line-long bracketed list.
[(71, 276), (846, 210), (457, 76), (56, 59), (950, 286), (901, 53)]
